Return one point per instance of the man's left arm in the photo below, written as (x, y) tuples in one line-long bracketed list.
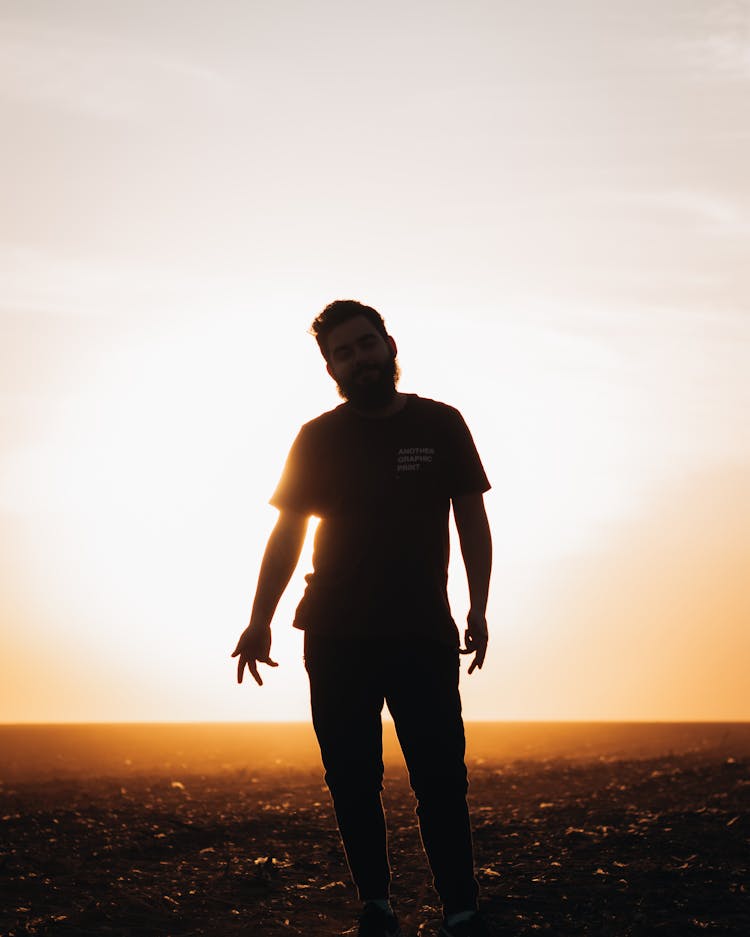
[(476, 549)]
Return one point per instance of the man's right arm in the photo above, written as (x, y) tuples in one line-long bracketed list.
[(279, 561)]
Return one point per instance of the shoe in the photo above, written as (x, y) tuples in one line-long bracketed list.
[(476, 926), (376, 923)]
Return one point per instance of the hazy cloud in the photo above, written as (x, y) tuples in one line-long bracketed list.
[(97, 75), (707, 211), (35, 281)]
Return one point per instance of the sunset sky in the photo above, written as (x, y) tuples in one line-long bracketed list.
[(548, 202)]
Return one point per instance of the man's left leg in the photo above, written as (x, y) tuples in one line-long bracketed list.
[(422, 695)]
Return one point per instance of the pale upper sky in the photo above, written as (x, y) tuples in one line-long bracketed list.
[(549, 203)]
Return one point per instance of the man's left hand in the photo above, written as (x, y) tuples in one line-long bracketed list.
[(475, 638)]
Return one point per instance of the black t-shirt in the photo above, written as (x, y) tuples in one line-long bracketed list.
[(382, 490)]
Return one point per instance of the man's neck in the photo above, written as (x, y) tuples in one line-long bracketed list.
[(394, 405)]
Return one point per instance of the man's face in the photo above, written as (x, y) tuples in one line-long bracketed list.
[(362, 363)]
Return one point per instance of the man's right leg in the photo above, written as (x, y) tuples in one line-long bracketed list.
[(346, 703)]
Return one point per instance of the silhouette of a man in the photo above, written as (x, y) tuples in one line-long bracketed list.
[(381, 472)]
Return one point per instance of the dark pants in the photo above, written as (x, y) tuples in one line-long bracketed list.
[(349, 681)]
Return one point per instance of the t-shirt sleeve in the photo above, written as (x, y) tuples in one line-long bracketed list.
[(466, 475), (296, 488)]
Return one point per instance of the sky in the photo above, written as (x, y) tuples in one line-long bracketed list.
[(550, 206)]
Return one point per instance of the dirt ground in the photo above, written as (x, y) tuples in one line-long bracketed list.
[(607, 846)]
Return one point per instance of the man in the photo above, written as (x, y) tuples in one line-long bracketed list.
[(381, 472)]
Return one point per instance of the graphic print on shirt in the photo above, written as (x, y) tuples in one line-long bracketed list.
[(412, 458)]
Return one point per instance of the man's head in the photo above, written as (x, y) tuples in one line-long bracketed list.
[(360, 354)]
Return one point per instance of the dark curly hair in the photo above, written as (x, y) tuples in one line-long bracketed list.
[(339, 311)]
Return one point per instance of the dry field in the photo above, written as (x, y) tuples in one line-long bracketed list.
[(591, 843)]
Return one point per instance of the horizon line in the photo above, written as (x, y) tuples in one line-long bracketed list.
[(307, 722)]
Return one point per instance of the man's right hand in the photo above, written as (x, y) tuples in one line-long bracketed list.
[(253, 647)]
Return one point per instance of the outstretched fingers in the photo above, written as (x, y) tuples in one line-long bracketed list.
[(252, 665), (253, 648), (480, 649), (475, 638)]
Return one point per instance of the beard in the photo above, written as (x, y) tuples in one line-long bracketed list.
[(372, 386)]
